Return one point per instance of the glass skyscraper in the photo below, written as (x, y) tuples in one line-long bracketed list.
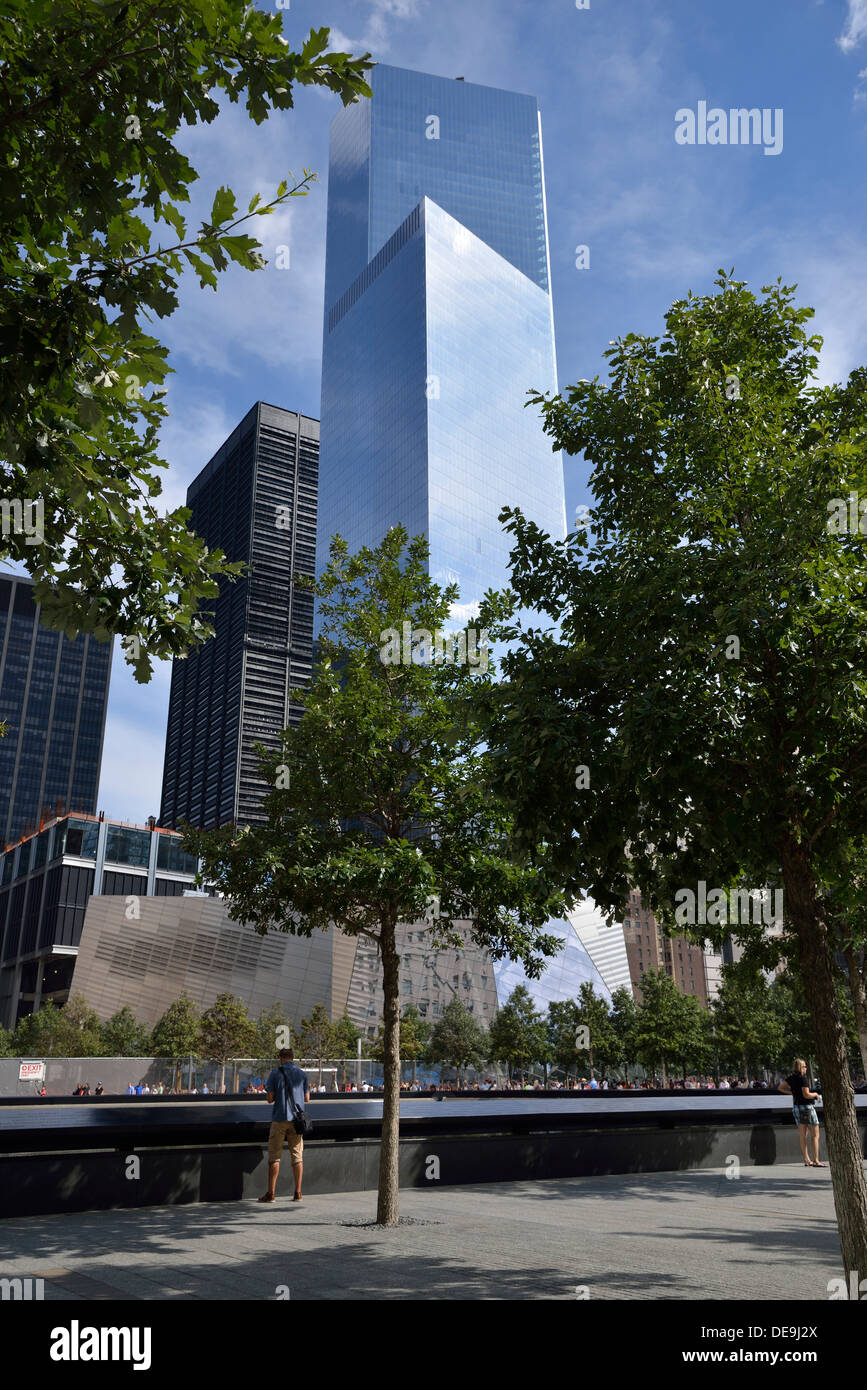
[(438, 320), (53, 697)]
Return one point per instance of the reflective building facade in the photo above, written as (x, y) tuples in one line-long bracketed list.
[(438, 320), (53, 697), (592, 952)]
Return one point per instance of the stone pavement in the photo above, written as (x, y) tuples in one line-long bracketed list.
[(770, 1234)]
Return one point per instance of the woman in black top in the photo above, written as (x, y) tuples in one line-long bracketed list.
[(804, 1111)]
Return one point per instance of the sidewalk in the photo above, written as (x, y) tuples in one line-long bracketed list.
[(770, 1234)]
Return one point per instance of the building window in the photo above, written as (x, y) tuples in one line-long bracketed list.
[(125, 845), (171, 857), (80, 838)]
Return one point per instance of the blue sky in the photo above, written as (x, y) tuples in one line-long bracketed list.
[(659, 217)]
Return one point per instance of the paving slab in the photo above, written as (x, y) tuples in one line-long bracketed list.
[(768, 1234)]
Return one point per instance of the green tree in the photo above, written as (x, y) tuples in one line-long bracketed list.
[(847, 911), (661, 1028), (346, 1036), (81, 1029), (124, 1036), (7, 1043), (415, 1035), (316, 1037), (623, 1020), (41, 1034), (697, 1034), (226, 1031), (745, 1020), (273, 1032), (94, 94), (380, 812), (456, 1039), (517, 1035), (706, 651), (176, 1033), (787, 1001), (595, 1026), (562, 1034)]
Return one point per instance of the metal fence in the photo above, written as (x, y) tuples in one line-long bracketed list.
[(186, 1075)]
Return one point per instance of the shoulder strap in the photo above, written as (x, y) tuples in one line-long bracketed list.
[(289, 1095)]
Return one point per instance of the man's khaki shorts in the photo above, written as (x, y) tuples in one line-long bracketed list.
[(284, 1130)]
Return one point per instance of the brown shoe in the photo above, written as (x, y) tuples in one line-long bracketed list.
[(266, 1198)]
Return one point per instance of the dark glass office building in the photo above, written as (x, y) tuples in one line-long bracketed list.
[(53, 697), (256, 501)]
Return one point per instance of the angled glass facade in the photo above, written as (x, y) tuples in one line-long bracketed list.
[(592, 952), (476, 151), (53, 697), (438, 320)]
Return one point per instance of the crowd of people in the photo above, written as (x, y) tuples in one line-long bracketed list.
[(256, 1086)]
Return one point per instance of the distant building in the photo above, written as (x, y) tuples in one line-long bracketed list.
[(592, 953), (693, 968), (191, 945), (53, 697), (430, 977), (256, 501), (46, 883)]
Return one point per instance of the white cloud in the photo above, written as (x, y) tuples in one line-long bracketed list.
[(835, 283), (376, 35), (856, 26), (132, 760), (195, 429), (273, 315)]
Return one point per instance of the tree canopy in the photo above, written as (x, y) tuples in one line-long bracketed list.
[(705, 656), (93, 246), (380, 812)]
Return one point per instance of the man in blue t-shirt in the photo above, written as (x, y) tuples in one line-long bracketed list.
[(288, 1090)]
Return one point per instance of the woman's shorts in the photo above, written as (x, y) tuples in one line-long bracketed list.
[(805, 1115)]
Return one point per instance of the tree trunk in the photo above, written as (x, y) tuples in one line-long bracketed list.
[(858, 991), (805, 912), (664, 1073), (387, 1209)]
